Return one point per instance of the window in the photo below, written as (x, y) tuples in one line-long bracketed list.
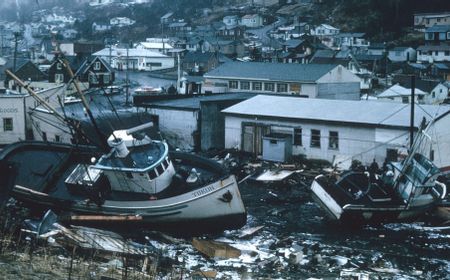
[(93, 78), (281, 87), (298, 136), (447, 53), (97, 65), (256, 86), (154, 64), (233, 84), (160, 169), (58, 66), (333, 141), (106, 79), (436, 53), (315, 138), (269, 87), (7, 124), (245, 85), (152, 174), (59, 78), (57, 138), (44, 136), (405, 99)]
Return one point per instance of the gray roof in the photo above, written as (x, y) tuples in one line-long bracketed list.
[(193, 102), (356, 35), (386, 114), (427, 48), (271, 71)]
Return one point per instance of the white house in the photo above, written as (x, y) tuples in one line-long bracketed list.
[(433, 53), (121, 21), (100, 27), (351, 40), (136, 59), (231, 20), (439, 94), (162, 46), (325, 30), (307, 80), (328, 129), (402, 54), (397, 93), (252, 21)]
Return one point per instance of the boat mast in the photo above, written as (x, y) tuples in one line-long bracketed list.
[(100, 135), (411, 128)]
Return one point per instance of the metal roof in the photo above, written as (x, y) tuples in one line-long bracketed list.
[(391, 114), (193, 102), (271, 71), (438, 28), (398, 90)]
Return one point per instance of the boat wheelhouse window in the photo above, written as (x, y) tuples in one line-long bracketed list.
[(315, 138), (160, 169), (298, 136), (8, 124), (333, 140), (152, 174), (164, 164), (168, 161), (130, 175)]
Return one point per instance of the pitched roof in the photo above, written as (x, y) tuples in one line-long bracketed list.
[(131, 52), (397, 90), (271, 71), (389, 114)]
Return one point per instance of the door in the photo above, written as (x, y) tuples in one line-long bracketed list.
[(252, 135)]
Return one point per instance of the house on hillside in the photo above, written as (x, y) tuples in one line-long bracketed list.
[(203, 61), (252, 21), (307, 80), (354, 41), (402, 54), (426, 20), (97, 72), (136, 59), (121, 22), (437, 34), (359, 130), (433, 53), (439, 94)]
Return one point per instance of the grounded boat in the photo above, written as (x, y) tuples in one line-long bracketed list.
[(137, 183), (404, 192)]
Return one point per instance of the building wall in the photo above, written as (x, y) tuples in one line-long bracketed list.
[(399, 56), (437, 95), (355, 142), (433, 56), (177, 126), (12, 107), (441, 143)]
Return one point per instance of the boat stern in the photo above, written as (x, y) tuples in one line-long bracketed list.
[(326, 202)]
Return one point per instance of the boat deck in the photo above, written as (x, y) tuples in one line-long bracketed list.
[(355, 189)]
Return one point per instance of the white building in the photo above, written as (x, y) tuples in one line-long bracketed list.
[(329, 129), (15, 122), (231, 20), (136, 59), (325, 30), (433, 53), (402, 54), (439, 94), (252, 21), (307, 80), (121, 21), (162, 46), (397, 93)]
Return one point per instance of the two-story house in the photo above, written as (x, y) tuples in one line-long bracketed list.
[(97, 72), (351, 41), (402, 54), (426, 20), (252, 21)]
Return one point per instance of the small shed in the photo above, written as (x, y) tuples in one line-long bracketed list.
[(277, 147)]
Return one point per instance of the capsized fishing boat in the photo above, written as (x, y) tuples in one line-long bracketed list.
[(138, 182), (405, 191)]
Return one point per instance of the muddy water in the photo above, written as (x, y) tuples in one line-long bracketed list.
[(293, 222)]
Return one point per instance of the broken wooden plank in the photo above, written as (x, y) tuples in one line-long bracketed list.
[(249, 232), (101, 218), (216, 249)]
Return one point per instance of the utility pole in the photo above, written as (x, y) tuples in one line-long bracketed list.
[(411, 131), (16, 36), (126, 78)]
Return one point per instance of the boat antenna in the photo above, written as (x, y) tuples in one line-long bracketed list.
[(101, 136), (411, 127)]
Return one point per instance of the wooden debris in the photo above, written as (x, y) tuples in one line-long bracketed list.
[(215, 249), (249, 232), (206, 274), (100, 218)]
